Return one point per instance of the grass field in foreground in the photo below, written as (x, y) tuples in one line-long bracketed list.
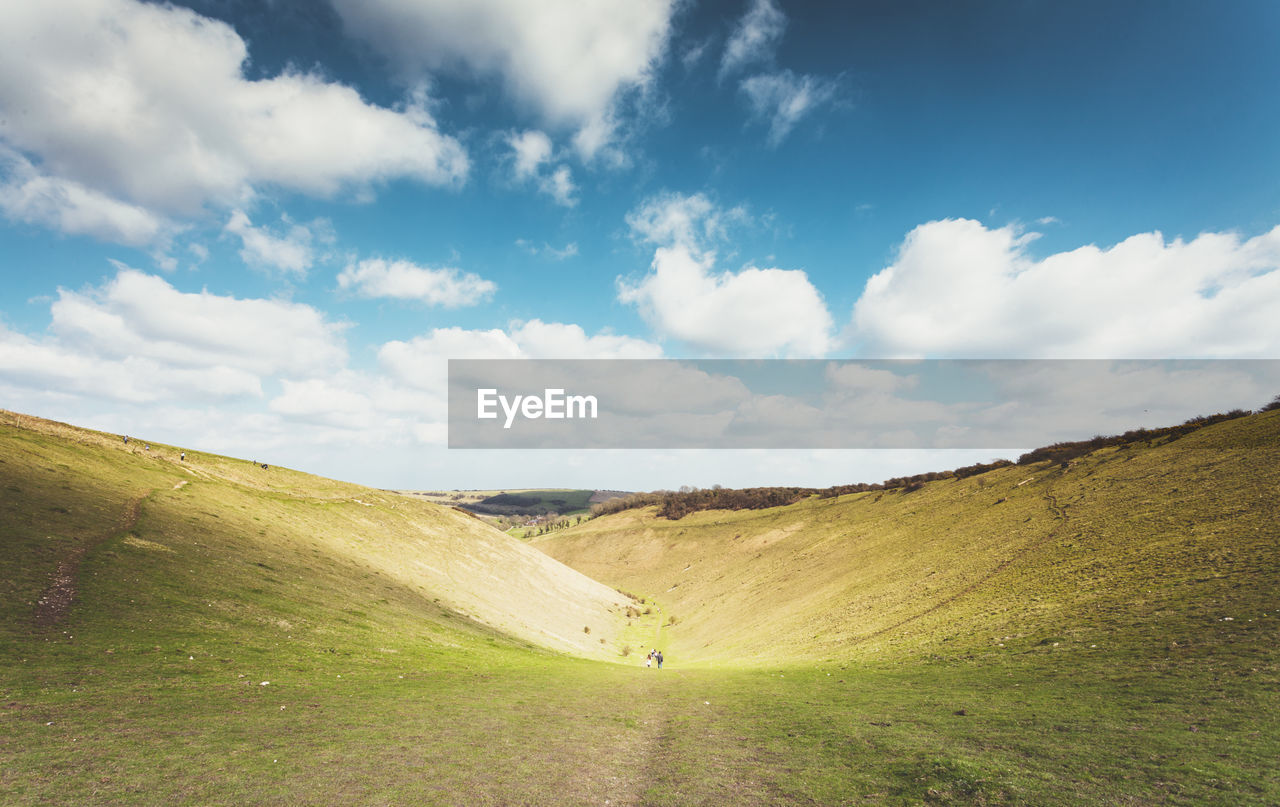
[(513, 729), (251, 639)]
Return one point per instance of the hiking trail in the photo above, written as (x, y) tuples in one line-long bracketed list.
[(55, 601)]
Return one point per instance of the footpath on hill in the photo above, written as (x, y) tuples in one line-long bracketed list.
[(55, 602)]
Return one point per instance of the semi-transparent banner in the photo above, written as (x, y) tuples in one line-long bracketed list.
[(960, 403)]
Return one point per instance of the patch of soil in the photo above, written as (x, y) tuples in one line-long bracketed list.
[(55, 601)]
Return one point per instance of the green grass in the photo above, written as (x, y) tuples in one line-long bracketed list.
[(823, 665), (1125, 548)]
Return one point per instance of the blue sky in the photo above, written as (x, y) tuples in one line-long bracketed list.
[(261, 228)]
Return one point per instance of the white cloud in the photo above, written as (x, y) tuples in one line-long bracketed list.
[(69, 207), (784, 98), (957, 288), (530, 151), (128, 112), (559, 186), (52, 367), (324, 400), (753, 312), (546, 250), (289, 253), (404, 280), (693, 54), (138, 340), (421, 363), (755, 38), (533, 339), (570, 61), (140, 357), (558, 340), (667, 218), (136, 315)]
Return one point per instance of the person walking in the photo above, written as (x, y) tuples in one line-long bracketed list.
[(659, 659)]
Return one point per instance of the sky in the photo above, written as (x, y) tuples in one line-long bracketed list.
[(262, 228)]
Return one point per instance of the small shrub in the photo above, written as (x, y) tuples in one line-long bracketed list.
[(626, 650), (586, 629), (671, 620)]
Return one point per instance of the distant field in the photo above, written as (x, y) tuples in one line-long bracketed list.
[(532, 502), (215, 633)]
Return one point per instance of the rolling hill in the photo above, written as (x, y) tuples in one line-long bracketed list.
[(208, 631), (227, 545), (1142, 546)]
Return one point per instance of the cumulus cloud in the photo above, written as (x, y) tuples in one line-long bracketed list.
[(52, 367), (126, 112), (784, 98), (958, 288), (137, 339), (531, 155), (559, 340), (530, 149), (290, 253), (403, 280), (754, 38), (752, 312), (419, 368), (421, 363), (667, 218), (67, 206), (142, 316), (570, 61)]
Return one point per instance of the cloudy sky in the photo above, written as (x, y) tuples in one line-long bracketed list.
[(261, 228)]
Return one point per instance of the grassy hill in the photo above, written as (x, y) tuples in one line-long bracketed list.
[(1121, 551), (1105, 634), (226, 545)]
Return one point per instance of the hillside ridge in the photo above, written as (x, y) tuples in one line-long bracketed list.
[(1041, 549), (94, 500)]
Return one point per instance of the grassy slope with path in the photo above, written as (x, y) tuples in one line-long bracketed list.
[(830, 667)]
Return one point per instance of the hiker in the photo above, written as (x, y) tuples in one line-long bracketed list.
[(659, 659), (126, 439), (183, 457), (648, 660)]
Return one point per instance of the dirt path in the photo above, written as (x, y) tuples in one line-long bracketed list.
[(625, 774), (55, 601)]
